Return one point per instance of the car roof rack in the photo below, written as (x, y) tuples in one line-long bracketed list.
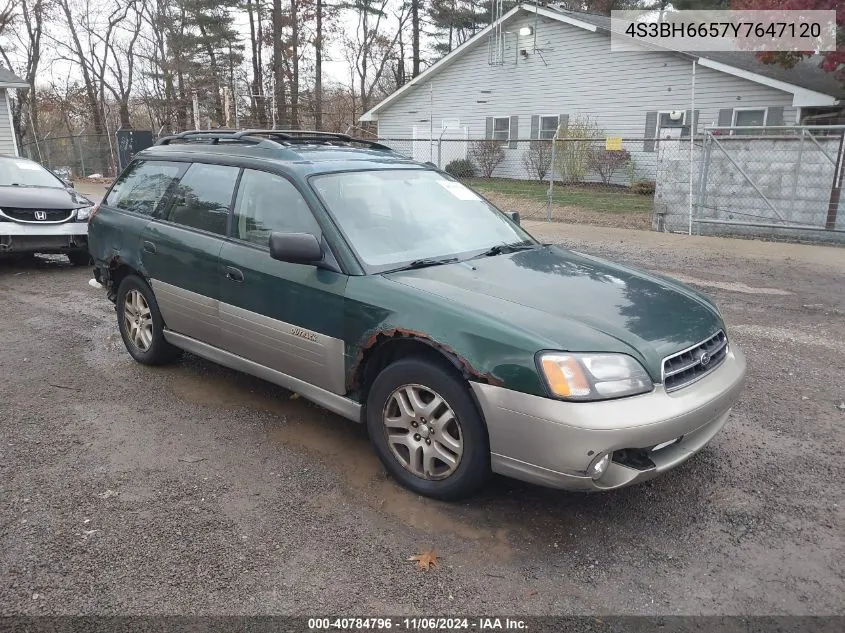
[(271, 137)]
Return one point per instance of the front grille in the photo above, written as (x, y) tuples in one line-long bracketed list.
[(684, 368), (28, 215)]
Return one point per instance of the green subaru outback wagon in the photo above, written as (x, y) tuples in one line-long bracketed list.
[(384, 290)]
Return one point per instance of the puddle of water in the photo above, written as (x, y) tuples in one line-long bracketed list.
[(732, 286), (343, 445)]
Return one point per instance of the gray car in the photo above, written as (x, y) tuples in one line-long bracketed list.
[(39, 212)]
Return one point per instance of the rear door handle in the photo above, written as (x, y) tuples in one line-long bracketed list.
[(234, 274), (149, 247)]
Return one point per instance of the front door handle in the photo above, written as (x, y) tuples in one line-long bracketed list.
[(234, 274), (149, 247)]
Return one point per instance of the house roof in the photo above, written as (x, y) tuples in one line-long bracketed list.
[(809, 84), (9, 80), (807, 74)]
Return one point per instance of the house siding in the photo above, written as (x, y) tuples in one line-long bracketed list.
[(7, 140), (574, 72)]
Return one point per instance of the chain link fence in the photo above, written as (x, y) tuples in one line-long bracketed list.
[(774, 182), (567, 180), (80, 156), (782, 182)]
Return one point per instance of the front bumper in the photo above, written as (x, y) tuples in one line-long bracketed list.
[(43, 238), (551, 442)]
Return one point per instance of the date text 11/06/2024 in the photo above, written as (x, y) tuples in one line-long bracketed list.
[(416, 624)]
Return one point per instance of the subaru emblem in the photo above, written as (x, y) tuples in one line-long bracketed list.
[(704, 359)]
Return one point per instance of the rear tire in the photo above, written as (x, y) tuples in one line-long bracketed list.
[(80, 258), (427, 431), (140, 323)]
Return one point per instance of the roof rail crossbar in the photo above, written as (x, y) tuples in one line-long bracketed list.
[(214, 136), (313, 136), (270, 138)]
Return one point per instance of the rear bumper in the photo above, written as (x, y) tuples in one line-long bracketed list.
[(552, 443)]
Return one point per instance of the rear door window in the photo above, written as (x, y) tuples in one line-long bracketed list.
[(144, 186), (203, 197)]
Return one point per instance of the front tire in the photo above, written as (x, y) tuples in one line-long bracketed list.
[(140, 323), (427, 431), (80, 258)]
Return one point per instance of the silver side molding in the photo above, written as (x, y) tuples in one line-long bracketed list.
[(335, 403)]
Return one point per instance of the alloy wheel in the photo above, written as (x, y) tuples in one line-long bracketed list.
[(138, 320), (423, 432)]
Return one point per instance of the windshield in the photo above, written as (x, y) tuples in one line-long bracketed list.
[(393, 217), (17, 172)]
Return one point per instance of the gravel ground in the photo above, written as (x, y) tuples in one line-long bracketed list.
[(195, 489)]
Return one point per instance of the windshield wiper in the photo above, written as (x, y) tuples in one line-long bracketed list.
[(498, 249), (424, 263)]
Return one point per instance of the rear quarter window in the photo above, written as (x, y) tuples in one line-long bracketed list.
[(144, 186)]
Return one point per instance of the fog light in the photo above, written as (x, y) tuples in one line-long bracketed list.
[(599, 465)]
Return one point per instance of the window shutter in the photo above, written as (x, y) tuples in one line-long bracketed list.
[(514, 133), (725, 117), (488, 128), (691, 123), (535, 126), (650, 131), (562, 121), (774, 116)]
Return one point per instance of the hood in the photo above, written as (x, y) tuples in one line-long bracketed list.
[(41, 198), (567, 292)]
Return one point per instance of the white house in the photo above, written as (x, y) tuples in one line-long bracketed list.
[(537, 67), (8, 138)]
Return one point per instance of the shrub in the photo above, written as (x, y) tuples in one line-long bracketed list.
[(606, 162), (487, 154), (644, 187), (538, 159), (461, 168), (573, 148)]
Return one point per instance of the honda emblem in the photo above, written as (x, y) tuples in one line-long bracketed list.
[(40, 215)]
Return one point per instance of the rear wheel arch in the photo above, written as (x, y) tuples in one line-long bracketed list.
[(118, 270)]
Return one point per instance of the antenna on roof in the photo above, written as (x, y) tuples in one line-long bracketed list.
[(496, 39)]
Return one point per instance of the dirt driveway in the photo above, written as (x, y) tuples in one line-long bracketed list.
[(195, 489)]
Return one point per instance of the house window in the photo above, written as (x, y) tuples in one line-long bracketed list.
[(450, 124), (501, 128), (748, 117), (548, 126), (665, 120)]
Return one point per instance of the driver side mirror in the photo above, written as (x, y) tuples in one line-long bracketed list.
[(513, 215), (68, 183), (295, 248)]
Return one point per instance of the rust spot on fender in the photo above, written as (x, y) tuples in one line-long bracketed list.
[(373, 340)]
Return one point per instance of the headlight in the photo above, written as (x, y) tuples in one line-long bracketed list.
[(594, 376), (83, 213)]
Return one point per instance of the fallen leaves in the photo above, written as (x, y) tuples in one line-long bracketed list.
[(425, 560)]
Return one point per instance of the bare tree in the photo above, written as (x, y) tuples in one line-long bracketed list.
[(256, 35), (415, 37), (79, 53), (318, 66), (279, 65), (373, 46), (27, 40)]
